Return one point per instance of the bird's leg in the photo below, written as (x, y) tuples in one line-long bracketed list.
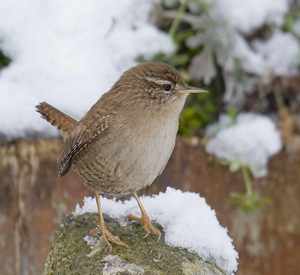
[(145, 219), (107, 236)]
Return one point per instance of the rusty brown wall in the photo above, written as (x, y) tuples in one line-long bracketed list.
[(268, 240), (33, 201)]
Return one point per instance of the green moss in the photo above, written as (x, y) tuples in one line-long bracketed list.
[(4, 60), (68, 253)]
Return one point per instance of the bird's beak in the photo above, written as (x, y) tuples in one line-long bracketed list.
[(190, 90)]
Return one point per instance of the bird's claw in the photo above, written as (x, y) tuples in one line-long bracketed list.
[(108, 237), (148, 226)]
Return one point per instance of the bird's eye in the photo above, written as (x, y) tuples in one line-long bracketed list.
[(167, 87)]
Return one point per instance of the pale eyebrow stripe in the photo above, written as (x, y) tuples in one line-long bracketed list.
[(157, 81)]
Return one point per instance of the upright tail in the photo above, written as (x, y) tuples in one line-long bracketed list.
[(57, 118)]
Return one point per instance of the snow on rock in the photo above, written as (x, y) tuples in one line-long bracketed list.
[(252, 140), (186, 219), (68, 53)]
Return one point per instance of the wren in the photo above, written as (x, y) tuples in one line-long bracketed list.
[(126, 139)]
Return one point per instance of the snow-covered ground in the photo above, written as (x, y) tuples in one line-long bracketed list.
[(68, 53), (186, 219), (251, 140)]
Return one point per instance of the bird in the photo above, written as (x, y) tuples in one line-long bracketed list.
[(126, 138)]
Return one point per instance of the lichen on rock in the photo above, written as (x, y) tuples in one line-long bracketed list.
[(70, 252), (114, 265)]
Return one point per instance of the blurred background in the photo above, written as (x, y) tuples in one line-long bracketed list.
[(238, 146)]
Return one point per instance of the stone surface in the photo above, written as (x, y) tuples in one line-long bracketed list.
[(113, 264), (70, 254), (33, 201)]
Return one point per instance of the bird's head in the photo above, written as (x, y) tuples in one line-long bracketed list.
[(157, 82)]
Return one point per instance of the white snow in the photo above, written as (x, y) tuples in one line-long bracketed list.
[(226, 24), (186, 219), (68, 53), (251, 61), (252, 140), (280, 53), (248, 15)]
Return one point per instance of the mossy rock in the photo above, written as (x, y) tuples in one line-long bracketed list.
[(70, 254)]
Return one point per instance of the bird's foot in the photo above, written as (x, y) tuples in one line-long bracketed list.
[(148, 226), (109, 238)]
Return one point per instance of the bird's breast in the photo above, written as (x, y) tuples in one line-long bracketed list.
[(132, 155), (148, 159), (147, 149)]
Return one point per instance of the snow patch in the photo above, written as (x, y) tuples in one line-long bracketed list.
[(248, 15), (68, 54), (251, 140), (280, 53), (187, 221), (224, 30)]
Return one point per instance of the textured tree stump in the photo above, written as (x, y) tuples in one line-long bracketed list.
[(71, 254)]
